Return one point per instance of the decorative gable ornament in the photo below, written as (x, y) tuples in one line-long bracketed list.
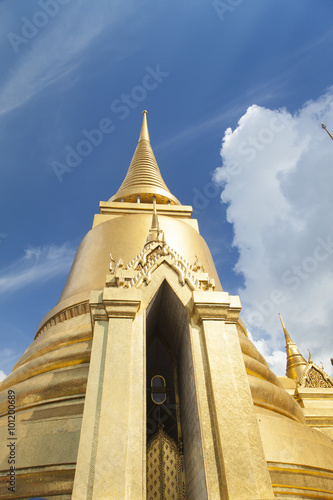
[(154, 254), (315, 377)]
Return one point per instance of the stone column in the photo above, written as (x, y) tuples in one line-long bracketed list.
[(111, 453), (239, 454)]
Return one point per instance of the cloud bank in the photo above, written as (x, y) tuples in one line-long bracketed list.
[(277, 178)]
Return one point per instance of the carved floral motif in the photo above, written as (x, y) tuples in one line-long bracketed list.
[(316, 378)]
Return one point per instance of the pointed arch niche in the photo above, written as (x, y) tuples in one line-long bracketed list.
[(168, 353)]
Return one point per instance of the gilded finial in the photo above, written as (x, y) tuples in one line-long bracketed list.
[(144, 134), (113, 264), (324, 127), (296, 364), (154, 221), (285, 331), (310, 359), (155, 233)]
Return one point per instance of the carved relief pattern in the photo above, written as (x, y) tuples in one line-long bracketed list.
[(165, 469), (140, 269), (316, 378), (70, 312)]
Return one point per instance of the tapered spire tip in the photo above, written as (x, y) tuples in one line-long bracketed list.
[(285, 331), (143, 179), (295, 361), (144, 134)]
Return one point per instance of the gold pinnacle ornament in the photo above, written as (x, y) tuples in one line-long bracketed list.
[(324, 127)]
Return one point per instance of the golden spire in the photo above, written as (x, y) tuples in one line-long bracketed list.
[(143, 180), (155, 233), (144, 134), (295, 361), (154, 222)]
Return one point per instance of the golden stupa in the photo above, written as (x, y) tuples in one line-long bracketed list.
[(142, 383)]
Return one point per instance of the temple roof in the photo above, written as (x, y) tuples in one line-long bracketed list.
[(143, 177)]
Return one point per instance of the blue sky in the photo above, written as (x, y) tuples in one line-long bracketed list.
[(218, 71)]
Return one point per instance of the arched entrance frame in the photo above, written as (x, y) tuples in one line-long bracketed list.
[(112, 451)]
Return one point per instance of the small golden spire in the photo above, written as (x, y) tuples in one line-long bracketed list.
[(143, 180), (155, 233), (154, 222), (295, 361)]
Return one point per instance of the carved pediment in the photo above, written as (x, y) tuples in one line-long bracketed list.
[(315, 377), (141, 268)]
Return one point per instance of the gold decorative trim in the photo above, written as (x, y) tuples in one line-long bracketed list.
[(299, 469), (303, 490), (122, 308), (275, 408), (292, 474), (40, 482), (64, 315)]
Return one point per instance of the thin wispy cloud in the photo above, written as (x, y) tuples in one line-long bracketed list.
[(8, 357), (54, 53), (209, 124), (38, 265), (201, 127)]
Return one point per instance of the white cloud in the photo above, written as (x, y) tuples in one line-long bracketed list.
[(275, 358), (277, 178), (38, 265), (2, 375)]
